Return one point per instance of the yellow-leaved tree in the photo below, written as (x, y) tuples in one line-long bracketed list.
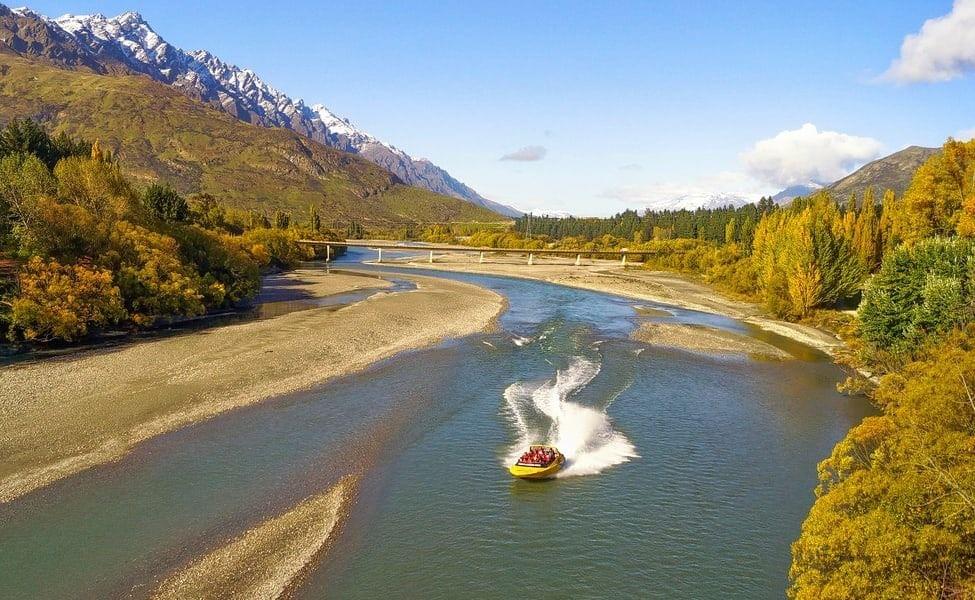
[(933, 202), (803, 258), (64, 301), (895, 510)]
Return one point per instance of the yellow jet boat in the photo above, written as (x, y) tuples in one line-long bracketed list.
[(540, 468)]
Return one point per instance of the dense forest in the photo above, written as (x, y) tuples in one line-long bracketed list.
[(894, 515), (83, 249)]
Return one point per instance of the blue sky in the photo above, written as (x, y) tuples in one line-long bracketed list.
[(634, 103)]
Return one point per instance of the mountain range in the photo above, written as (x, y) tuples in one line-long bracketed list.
[(127, 44), (162, 134)]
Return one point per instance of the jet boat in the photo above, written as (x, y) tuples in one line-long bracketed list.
[(538, 467)]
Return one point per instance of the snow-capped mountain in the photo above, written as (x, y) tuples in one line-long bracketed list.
[(694, 201), (129, 40)]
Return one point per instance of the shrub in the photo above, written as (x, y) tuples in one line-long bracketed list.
[(164, 203), (275, 247), (63, 301), (223, 259), (152, 279)]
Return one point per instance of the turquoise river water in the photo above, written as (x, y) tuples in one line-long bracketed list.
[(687, 475)]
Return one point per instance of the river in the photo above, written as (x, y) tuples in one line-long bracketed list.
[(687, 475)]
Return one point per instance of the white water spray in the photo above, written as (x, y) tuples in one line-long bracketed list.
[(583, 434)]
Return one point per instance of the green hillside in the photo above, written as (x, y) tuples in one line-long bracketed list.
[(158, 133)]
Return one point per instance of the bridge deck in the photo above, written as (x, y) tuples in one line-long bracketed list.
[(453, 248)]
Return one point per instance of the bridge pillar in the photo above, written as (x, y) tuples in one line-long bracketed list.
[(481, 259), (431, 256), (380, 255), (578, 259), (531, 258), (623, 261)]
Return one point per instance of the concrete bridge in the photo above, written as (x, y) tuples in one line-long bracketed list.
[(480, 250)]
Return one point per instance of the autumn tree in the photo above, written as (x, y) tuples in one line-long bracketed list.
[(314, 221), (207, 212), (58, 301), (281, 219), (94, 185), (730, 231), (24, 179), (275, 247), (933, 202), (153, 280), (888, 222), (355, 230), (803, 260), (865, 235), (894, 515)]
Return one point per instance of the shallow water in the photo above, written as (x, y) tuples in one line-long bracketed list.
[(687, 475)]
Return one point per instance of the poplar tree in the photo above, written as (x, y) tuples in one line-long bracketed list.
[(730, 232), (314, 221)]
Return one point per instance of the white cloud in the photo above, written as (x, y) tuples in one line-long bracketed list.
[(965, 134), (807, 155), (526, 154), (944, 49), (803, 156), (716, 190)]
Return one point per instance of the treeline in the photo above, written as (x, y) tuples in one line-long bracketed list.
[(709, 224), (91, 250)]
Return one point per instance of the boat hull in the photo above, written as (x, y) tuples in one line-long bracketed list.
[(546, 472)]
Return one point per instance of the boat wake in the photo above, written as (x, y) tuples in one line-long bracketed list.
[(543, 413)]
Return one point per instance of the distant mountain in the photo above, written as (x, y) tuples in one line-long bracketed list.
[(792, 192), (127, 44), (695, 200), (892, 172)]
